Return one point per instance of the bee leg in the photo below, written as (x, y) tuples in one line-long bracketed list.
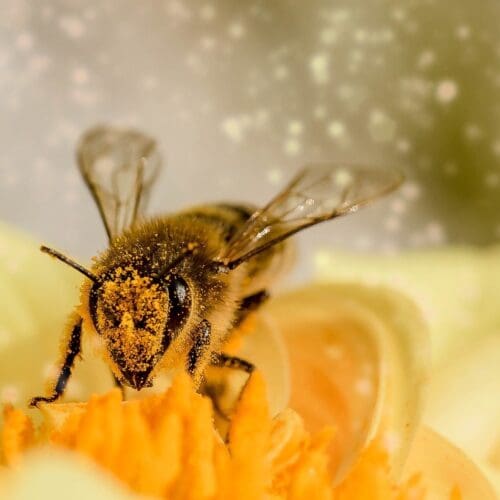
[(222, 360), (214, 392), (201, 342), (250, 304), (72, 351)]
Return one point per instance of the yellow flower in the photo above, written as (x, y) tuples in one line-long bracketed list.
[(356, 377), (166, 446)]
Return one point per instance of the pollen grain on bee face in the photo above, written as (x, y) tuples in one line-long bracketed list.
[(131, 315)]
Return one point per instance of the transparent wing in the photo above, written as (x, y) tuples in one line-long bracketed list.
[(316, 194), (119, 167)]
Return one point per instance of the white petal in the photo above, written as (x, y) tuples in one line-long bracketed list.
[(265, 348), (464, 399), (358, 362), (56, 475), (457, 289), (37, 293), (442, 466)]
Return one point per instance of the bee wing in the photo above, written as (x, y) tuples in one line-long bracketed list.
[(119, 167), (316, 194)]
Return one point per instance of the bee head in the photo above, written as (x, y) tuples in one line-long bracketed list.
[(135, 315)]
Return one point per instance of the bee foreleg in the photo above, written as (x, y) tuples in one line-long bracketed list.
[(250, 304), (201, 342), (222, 360), (72, 350)]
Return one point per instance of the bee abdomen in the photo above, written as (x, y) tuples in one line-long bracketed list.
[(227, 218), (244, 212)]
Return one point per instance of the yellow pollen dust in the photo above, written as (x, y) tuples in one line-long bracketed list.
[(131, 314)]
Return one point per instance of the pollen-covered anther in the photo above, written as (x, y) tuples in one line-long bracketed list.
[(166, 446)]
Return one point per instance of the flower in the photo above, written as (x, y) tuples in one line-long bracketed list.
[(457, 289), (166, 446), (357, 373)]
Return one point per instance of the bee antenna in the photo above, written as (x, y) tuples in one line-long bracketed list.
[(69, 262), (188, 250)]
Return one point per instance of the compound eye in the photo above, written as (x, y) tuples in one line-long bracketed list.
[(179, 291), (179, 296)]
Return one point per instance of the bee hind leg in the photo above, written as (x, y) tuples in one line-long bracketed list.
[(222, 360), (72, 350), (216, 392)]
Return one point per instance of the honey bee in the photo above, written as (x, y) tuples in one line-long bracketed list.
[(169, 290)]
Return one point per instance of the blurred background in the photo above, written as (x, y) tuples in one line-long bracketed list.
[(241, 94)]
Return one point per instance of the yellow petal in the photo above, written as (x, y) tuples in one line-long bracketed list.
[(445, 468), (358, 361)]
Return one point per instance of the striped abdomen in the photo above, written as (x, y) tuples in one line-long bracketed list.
[(263, 269)]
